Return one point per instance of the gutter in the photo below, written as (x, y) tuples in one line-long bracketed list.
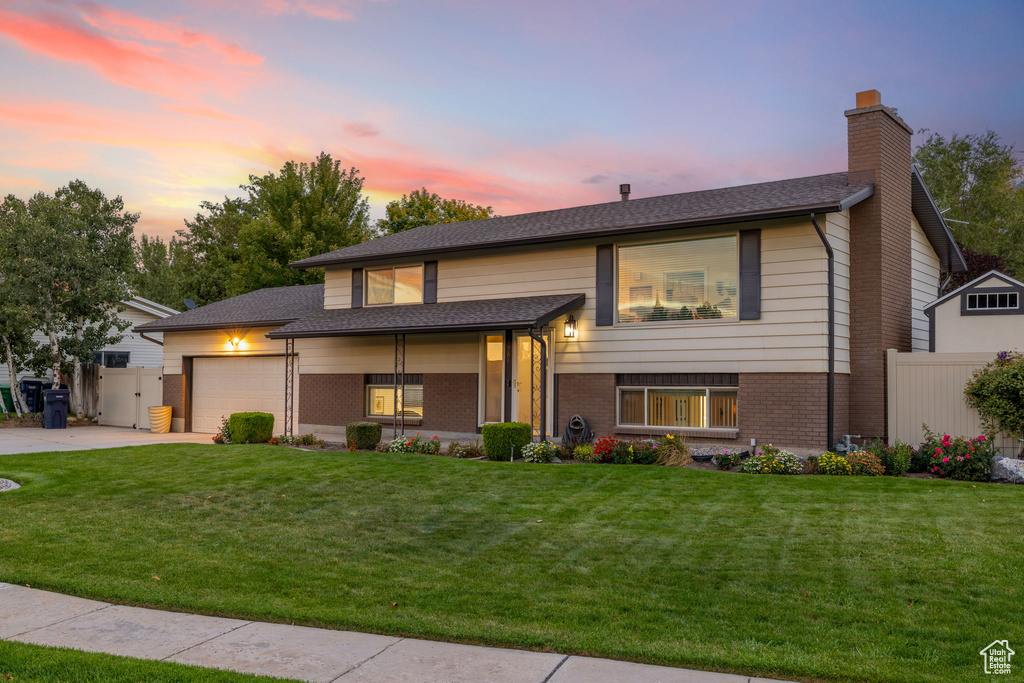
[(150, 339), (831, 332)]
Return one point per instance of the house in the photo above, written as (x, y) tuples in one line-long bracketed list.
[(757, 312), (985, 315)]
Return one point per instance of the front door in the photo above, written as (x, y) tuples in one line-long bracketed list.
[(526, 380)]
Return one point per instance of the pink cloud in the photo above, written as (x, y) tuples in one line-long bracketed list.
[(332, 10)]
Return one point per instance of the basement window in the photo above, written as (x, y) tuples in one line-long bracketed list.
[(689, 407), (380, 400), (993, 302), (112, 359)]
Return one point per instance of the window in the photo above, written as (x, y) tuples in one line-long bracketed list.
[(380, 400), (985, 302), (112, 359), (685, 280), (401, 285), (678, 407), (494, 370)]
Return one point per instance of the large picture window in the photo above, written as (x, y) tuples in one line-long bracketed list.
[(683, 407), (686, 280), (400, 285), (380, 400)]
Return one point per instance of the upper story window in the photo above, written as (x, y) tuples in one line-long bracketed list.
[(685, 280), (988, 302), (397, 285)]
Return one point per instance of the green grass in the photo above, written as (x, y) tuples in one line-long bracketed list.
[(20, 663), (832, 578)]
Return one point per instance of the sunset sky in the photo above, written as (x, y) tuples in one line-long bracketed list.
[(519, 104)]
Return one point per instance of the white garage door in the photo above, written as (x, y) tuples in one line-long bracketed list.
[(222, 386)]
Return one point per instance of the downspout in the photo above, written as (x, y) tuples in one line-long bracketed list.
[(831, 332), (543, 383)]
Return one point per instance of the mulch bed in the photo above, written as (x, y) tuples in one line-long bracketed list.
[(36, 422)]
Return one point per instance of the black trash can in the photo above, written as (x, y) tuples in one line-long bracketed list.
[(55, 412), (32, 390)]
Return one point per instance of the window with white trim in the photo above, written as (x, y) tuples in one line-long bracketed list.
[(380, 400), (394, 285), (993, 302), (690, 279), (679, 407)]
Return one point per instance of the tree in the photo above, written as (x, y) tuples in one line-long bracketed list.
[(996, 391), (17, 318), (420, 207), (977, 181), (977, 265), (158, 276), (69, 258)]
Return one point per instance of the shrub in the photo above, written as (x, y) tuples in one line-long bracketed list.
[(583, 452), (545, 451), (251, 427), (776, 462), (726, 460), (673, 451), (644, 452), (365, 435), (431, 446), (465, 450), (897, 459), (505, 440), (811, 466), (959, 458), (307, 440), (865, 464), (224, 435), (996, 391), (833, 463)]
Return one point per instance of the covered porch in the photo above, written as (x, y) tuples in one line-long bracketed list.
[(511, 363)]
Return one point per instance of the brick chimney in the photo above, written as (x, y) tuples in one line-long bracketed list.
[(880, 301)]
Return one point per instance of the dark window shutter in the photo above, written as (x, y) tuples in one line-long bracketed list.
[(357, 288), (430, 282), (750, 275), (605, 284)]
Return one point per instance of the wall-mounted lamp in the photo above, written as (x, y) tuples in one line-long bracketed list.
[(235, 341), (570, 327)]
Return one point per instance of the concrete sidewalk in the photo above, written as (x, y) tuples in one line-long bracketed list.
[(311, 654), (18, 440)]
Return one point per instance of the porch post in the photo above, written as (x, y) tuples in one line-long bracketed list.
[(399, 381), (289, 386), (539, 338)]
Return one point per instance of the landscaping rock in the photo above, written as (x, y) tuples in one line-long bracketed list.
[(1007, 470), (8, 485)]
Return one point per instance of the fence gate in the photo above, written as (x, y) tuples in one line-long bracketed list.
[(126, 394), (928, 389)]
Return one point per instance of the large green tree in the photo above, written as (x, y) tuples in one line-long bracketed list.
[(68, 258), (239, 245), (421, 207), (976, 180)]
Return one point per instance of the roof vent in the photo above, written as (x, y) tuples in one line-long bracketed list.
[(624, 191)]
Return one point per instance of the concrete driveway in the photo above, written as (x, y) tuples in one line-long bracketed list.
[(27, 440)]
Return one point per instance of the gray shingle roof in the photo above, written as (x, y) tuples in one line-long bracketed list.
[(822, 193), (449, 316), (271, 306)]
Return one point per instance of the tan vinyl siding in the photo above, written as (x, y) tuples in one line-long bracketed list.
[(337, 287), (215, 343), (924, 282), (790, 336), (989, 334)]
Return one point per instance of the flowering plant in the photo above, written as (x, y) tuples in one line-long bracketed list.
[(959, 458), (864, 463), (401, 444), (458, 449), (777, 461), (544, 451), (430, 447), (833, 463)]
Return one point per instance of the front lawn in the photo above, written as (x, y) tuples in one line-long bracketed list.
[(835, 578)]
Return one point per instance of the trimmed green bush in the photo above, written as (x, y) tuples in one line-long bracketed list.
[(251, 427), (504, 440), (365, 435)]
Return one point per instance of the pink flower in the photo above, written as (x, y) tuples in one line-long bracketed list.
[(938, 451), (981, 438), (945, 460), (968, 456)]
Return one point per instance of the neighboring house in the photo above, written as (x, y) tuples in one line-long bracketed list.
[(986, 314), (705, 314), (134, 350)]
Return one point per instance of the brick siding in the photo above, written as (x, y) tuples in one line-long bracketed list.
[(331, 399), (880, 280), (591, 396), (174, 394), (450, 402)]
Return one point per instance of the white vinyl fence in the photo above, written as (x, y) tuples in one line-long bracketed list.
[(928, 389)]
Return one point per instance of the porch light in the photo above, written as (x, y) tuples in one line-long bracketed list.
[(570, 327), (235, 341)]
